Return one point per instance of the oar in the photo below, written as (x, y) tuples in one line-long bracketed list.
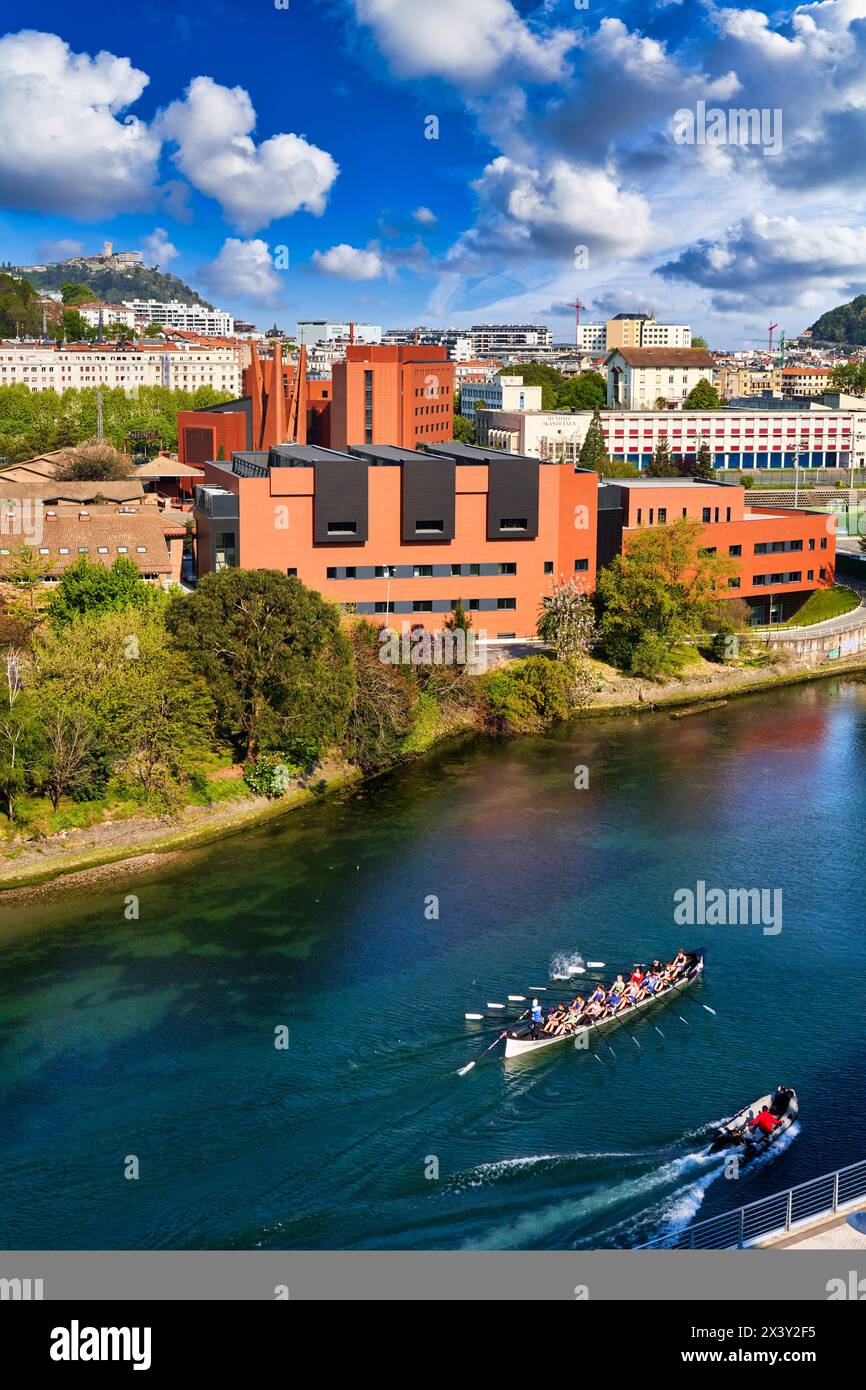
[(469, 1065), (688, 998), (603, 1038)]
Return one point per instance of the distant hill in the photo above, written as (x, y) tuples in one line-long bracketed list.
[(846, 324), (112, 285)]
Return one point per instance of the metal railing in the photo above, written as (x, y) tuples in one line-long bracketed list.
[(775, 1215)]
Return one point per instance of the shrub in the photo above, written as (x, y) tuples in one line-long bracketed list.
[(527, 694), (270, 775)]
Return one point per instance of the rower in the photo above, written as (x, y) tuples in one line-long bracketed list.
[(536, 1017), (615, 993), (764, 1121)]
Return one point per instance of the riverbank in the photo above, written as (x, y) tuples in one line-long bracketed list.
[(101, 850)]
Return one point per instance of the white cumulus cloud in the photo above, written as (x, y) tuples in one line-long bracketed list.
[(470, 45), (254, 184), (244, 270), (64, 145), (350, 262), (157, 249), (425, 216)]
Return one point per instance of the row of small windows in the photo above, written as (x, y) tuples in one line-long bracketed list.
[(467, 571), (85, 550)]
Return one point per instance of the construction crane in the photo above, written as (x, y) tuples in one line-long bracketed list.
[(576, 306)]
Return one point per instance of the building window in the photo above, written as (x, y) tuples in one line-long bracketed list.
[(350, 571), (422, 571), (368, 407), (381, 607), (435, 526), (342, 528), (812, 544), (506, 603), (733, 583), (331, 572), (548, 567), (422, 605), (513, 523), (384, 571), (663, 515), (639, 513), (735, 550), (292, 570), (706, 514), (581, 566), (455, 571), (823, 542), (225, 550), (473, 569), (507, 567)]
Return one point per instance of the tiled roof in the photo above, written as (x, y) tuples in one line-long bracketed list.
[(161, 467), (51, 490), (664, 357), (100, 533)]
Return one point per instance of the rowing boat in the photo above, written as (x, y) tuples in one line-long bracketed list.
[(520, 1040), (785, 1107)]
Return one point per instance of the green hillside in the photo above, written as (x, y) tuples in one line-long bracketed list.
[(845, 324), (112, 286)]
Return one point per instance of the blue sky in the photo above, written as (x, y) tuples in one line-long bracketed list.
[(209, 136)]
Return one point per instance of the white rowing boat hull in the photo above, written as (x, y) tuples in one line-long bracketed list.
[(521, 1046)]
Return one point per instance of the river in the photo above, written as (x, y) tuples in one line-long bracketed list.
[(152, 1038)]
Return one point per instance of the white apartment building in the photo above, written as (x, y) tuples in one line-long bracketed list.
[(312, 331), (502, 393), (178, 367), (638, 377), (632, 330), (497, 338), (740, 439), (111, 313), (192, 318)]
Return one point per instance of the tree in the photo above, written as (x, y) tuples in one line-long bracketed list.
[(661, 465), (586, 391), (383, 702), (74, 327), (567, 621), (850, 377), (703, 464), (593, 453), (87, 588), (463, 429), (93, 461), (703, 396), (663, 588), (549, 379), (699, 342), (69, 740), (273, 654), (19, 307), (16, 729), (27, 571), (74, 293)]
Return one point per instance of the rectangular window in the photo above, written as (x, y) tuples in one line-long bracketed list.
[(727, 514), (292, 570), (368, 407), (663, 515), (350, 571), (422, 605), (432, 526), (506, 603), (513, 523), (342, 528), (507, 567), (548, 567), (473, 569), (331, 572), (733, 583), (639, 514), (823, 542), (383, 571), (812, 544), (735, 550), (581, 566), (381, 607), (422, 571), (706, 514)]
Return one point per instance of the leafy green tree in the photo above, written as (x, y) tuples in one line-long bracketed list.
[(19, 307), (664, 588), (273, 653), (463, 429), (703, 396), (699, 342), (74, 327), (549, 379), (527, 694), (587, 391), (73, 293), (661, 465), (86, 588), (383, 702), (593, 453), (850, 377)]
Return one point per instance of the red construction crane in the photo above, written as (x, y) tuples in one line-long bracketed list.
[(770, 331), (576, 306)]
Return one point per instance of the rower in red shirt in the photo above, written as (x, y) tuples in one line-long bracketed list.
[(764, 1121)]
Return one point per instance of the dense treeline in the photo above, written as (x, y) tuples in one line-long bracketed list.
[(35, 422), (844, 324), (116, 696)]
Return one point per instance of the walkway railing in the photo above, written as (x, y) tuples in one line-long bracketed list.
[(775, 1215)]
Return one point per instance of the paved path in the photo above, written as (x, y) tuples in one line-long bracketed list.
[(831, 1233)]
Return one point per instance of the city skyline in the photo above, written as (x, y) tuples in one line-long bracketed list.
[(541, 151)]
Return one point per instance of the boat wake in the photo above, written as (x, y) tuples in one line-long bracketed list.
[(566, 964)]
